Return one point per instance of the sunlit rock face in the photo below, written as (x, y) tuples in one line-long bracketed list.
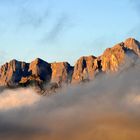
[(61, 72), (40, 72), (12, 72), (133, 45), (85, 69), (113, 58)]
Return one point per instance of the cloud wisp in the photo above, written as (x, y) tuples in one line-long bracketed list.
[(60, 25), (33, 19)]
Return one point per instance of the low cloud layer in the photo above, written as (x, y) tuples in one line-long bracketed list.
[(12, 99), (105, 109)]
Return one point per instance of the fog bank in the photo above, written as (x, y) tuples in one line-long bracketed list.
[(104, 109)]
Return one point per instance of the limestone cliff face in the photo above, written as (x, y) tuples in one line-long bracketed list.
[(61, 72), (133, 45), (113, 58), (39, 73), (12, 72), (110, 61), (85, 69), (40, 68)]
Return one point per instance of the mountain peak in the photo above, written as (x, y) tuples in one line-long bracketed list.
[(87, 57), (130, 39), (133, 44), (38, 60), (13, 60), (61, 72), (85, 69)]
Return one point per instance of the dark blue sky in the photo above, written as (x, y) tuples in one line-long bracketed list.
[(64, 30)]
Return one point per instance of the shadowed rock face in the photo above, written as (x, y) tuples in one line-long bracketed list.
[(40, 74), (40, 68), (86, 68), (61, 72), (12, 72)]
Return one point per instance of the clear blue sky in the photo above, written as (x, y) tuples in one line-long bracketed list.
[(64, 30)]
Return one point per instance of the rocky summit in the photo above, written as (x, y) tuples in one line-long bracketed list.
[(61, 72), (50, 76), (85, 69)]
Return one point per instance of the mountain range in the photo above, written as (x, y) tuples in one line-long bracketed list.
[(47, 77)]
